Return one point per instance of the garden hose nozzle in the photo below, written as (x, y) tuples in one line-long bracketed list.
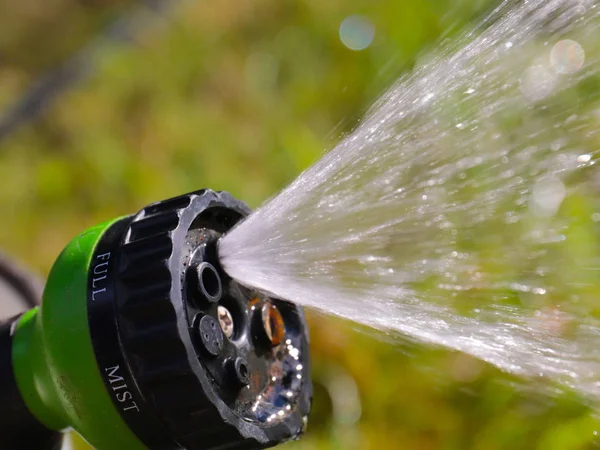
[(143, 341)]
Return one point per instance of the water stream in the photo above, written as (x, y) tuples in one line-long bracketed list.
[(464, 209)]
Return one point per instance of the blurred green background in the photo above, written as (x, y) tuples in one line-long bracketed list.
[(243, 95)]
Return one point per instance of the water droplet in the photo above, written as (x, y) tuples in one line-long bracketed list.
[(546, 197), (508, 45), (567, 56), (356, 32), (428, 97), (584, 158)]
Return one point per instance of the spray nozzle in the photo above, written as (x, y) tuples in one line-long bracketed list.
[(143, 333)]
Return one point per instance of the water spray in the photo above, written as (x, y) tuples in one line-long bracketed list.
[(462, 211), (143, 341)]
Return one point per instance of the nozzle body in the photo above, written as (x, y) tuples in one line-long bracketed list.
[(142, 341)]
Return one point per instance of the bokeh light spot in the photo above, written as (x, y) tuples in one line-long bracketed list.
[(357, 32), (567, 56), (537, 82)]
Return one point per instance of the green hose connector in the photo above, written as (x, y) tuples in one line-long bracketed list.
[(53, 358)]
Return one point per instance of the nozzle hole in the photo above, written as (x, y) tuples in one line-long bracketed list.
[(243, 370), (226, 321), (209, 282), (240, 371)]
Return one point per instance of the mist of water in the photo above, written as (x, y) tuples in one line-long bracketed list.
[(464, 209)]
